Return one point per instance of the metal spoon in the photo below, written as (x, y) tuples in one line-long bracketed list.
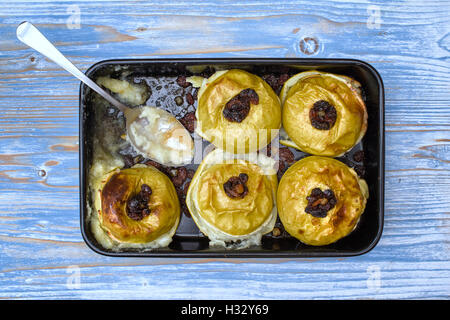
[(31, 36)]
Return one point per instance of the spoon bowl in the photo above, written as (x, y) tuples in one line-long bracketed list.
[(154, 133)]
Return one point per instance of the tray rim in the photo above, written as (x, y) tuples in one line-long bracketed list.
[(267, 254)]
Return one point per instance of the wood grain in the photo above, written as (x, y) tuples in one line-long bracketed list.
[(40, 240)]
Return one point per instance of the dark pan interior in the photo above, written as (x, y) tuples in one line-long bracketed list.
[(188, 241)]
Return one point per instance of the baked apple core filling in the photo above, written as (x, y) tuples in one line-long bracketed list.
[(137, 206), (322, 115), (236, 187), (238, 108), (320, 202)]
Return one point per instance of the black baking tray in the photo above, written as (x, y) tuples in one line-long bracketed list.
[(188, 240)]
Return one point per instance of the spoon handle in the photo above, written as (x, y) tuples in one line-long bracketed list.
[(32, 37)]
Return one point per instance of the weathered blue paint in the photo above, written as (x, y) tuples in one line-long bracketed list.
[(40, 241)]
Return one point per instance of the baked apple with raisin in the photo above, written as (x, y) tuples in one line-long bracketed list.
[(232, 199), (137, 206), (320, 200), (237, 111), (323, 113)]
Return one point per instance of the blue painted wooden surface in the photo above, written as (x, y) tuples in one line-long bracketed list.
[(42, 254)]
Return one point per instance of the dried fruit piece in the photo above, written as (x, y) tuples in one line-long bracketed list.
[(358, 156), (178, 176), (188, 121), (189, 99), (275, 82), (181, 81), (320, 202), (195, 94), (322, 115), (286, 155), (237, 109), (156, 165), (137, 206), (236, 187)]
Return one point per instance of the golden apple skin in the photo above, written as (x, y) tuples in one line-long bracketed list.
[(296, 185), (299, 95), (258, 128), (121, 185), (234, 216), (226, 219)]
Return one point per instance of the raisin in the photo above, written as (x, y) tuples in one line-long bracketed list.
[(276, 83), (286, 155), (238, 108), (243, 177), (195, 95), (137, 206), (282, 79), (320, 202), (181, 81), (272, 81), (190, 99), (188, 121), (322, 115), (156, 165), (179, 175), (281, 168), (236, 187), (146, 190), (358, 156)]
